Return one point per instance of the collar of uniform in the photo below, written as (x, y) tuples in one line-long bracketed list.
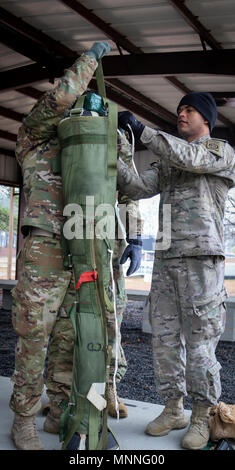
[(201, 139)]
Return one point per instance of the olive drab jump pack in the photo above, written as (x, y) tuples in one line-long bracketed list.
[(88, 160)]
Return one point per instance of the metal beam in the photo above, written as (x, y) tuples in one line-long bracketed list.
[(37, 37), (19, 43), (140, 110), (10, 114), (123, 100), (140, 98), (8, 135), (193, 21), (178, 84), (26, 31), (110, 32), (7, 152), (21, 76), (33, 73), (126, 44), (31, 91), (223, 94), (207, 37), (160, 64), (29, 41), (124, 88), (152, 116), (224, 133), (42, 73), (17, 35), (170, 63), (130, 47)]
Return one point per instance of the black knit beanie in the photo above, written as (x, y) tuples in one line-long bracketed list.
[(204, 103)]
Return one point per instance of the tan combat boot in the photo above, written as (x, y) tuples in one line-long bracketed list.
[(197, 435), (123, 412), (24, 433), (52, 421), (172, 417)]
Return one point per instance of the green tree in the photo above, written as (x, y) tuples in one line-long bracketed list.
[(4, 219)]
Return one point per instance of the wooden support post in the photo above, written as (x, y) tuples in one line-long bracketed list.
[(10, 238)]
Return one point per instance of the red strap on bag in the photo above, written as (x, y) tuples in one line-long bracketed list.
[(89, 276)]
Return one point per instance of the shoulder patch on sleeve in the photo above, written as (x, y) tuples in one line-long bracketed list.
[(215, 146)]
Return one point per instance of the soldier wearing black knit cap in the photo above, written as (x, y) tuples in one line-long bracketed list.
[(204, 103), (192, 176)]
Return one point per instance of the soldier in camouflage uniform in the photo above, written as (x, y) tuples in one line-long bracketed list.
[(45, 290), (187, 293)]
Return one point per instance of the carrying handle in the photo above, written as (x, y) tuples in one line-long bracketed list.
[(100, 79), (100, 86), (112, 122)]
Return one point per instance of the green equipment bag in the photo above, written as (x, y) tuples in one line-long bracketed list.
[(88, 169)]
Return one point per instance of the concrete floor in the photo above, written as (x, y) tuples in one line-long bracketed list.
[(129, 431)]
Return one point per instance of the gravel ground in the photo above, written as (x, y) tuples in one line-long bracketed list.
[(138, 383)]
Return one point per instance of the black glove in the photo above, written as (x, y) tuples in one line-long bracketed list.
[(134, 252), (125, 118)]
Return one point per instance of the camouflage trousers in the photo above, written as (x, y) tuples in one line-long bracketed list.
[(43, 296), (187, 315)]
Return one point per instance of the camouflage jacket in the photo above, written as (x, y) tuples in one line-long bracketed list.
[(192, 179), (37, 145)]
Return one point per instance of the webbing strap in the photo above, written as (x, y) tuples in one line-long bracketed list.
[(103, 441), (71, 423), (94, 424), (84, 139), (109, 303), (112, 139), (100, 80), (56, 163), (112, 122), (67, 257)]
